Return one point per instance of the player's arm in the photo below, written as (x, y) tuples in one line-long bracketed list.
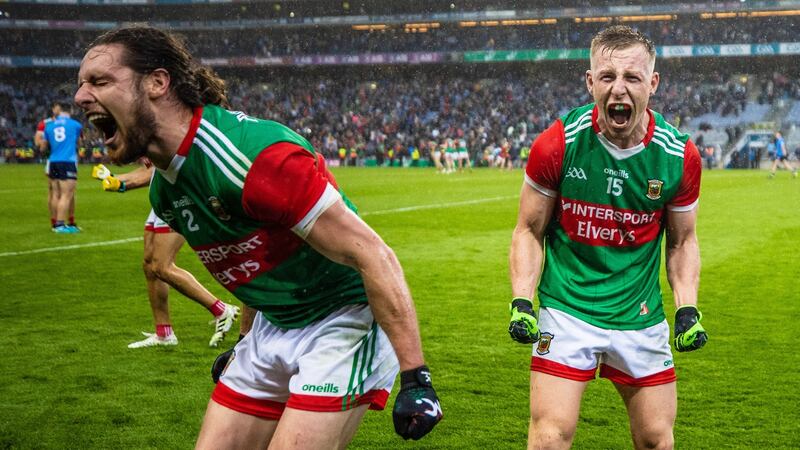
[(683, 255), (343, 237), (38, 138), (39, 141), (537, 201), (683, 274), (137, 178), (525, 261)]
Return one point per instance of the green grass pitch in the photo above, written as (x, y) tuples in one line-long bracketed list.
[(68, 312)]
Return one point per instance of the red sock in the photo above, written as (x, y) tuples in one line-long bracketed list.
[(217, 308), (163, 330), (52, 221), (72, 220)]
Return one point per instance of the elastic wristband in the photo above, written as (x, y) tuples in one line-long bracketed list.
[(522, 304), (122, 187), (410, 378)]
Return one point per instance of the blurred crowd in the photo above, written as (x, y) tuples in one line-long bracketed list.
[(418, 110), (262, 42)]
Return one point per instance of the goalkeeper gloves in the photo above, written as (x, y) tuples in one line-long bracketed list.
[(100, 172), (110, 182), (524, 327), (416, 409), (689, 334)]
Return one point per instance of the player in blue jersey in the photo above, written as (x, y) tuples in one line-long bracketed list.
[(61, 138), (41, 144), (781, 157)]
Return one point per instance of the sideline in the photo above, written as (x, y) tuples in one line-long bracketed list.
[(364, 214), (71, 247), (436, 206)]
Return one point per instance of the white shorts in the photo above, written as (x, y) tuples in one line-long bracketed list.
[(573, 349), (437, 154), (155, 224), (463, 155), (338, 363)]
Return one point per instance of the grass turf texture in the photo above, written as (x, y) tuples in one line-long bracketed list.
[(68, 380)]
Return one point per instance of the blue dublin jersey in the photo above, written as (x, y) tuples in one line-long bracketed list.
[(62, 135)]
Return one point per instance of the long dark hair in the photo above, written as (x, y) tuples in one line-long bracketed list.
[(148, 49)]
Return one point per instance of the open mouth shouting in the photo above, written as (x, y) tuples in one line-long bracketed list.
[(107, 125), (619, 115)]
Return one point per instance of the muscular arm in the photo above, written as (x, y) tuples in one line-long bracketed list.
[(343, 237), (137, 178), (527, 242), (683, 256)]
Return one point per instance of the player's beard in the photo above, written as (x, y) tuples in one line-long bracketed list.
[(135, 139)]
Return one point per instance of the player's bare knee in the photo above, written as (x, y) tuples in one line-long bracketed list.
[(548, 433), (149, 268), (654, 438), (163, 270)]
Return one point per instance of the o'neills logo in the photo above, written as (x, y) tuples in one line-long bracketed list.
[(603, 225), (327, 388)]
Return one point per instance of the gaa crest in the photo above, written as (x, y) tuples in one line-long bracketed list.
[(216, 205), (544, 343), (654, 189)]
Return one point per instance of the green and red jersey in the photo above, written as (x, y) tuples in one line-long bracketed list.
[(245, 193), (603, 244)]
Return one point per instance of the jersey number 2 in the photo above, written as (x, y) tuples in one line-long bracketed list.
[(190, 225)]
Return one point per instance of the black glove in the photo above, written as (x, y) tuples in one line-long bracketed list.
[(416, 409), (689, 334), (222, 362)]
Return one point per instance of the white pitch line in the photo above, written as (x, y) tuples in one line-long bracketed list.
[(436, 206), (367, 213), (71, 247)]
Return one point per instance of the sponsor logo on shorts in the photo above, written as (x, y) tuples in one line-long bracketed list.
[(667, 363), (654, 189), (545, 339), (328, 388)]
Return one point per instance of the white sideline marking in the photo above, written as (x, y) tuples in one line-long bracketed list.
[(70, 247), (438, 205), (367, 213)]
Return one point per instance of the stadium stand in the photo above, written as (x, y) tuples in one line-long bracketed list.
[(353, 74)]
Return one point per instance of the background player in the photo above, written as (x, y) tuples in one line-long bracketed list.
[(266, 218), (161, 246), (781, 156), (41, 145), (60, 139), (601, 184)]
